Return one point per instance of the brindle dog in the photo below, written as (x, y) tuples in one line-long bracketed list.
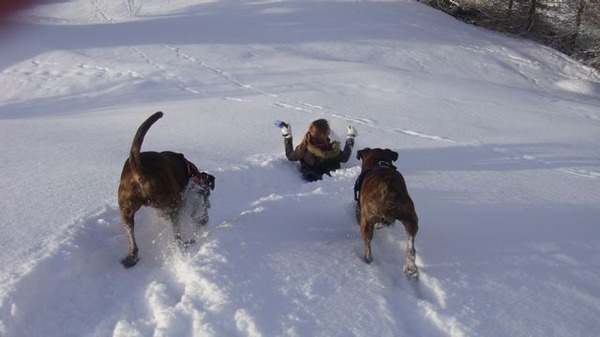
[(157, 180), (382, 199)]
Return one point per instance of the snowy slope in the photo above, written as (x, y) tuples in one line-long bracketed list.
[(499, 141)]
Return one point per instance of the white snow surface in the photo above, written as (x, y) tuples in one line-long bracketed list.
[(499, 142)]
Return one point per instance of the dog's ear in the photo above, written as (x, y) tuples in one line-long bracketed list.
[(359, 153), (391, 154)]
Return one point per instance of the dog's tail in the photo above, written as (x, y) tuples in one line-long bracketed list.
[(136, 145)]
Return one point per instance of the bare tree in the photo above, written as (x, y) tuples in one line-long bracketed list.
[(531, 12), (578, 17)]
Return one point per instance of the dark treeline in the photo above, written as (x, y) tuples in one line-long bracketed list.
[(570, 26)]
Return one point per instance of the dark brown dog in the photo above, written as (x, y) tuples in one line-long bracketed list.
[(382, 199), (156, 180)]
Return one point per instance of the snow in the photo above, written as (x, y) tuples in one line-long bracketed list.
[(499, 142)]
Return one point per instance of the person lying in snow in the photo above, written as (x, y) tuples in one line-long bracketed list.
[(317, 154)]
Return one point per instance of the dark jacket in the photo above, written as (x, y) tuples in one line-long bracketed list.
[(316, 161)]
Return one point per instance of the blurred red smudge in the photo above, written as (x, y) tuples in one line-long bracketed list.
[(8, 7)]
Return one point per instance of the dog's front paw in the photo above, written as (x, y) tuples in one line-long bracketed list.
[(130, 261), (368, 259)]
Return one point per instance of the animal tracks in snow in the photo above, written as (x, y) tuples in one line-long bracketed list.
[(221, 73), (47, 74), (313, 108), (170, 76), (558, 165), (579, 172), (425, 136)]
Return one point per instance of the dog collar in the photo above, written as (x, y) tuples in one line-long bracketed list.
[(383, 163), (378, 165)]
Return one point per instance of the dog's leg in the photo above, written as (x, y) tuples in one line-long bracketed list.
[(410, 267), (132, 257), (367, 230), (357, 212), (201, 213), (203, 218)]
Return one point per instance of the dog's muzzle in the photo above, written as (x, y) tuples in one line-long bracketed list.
[(205, 181)]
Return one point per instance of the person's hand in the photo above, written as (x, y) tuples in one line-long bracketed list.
[(351, 132), (286, 129)]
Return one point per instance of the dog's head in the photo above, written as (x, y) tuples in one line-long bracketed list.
[(370, 157), (204, 180)]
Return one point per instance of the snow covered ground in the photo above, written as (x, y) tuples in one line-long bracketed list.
[(499, 141)]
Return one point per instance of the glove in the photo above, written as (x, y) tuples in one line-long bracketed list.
[(286, 129), (351, 132)]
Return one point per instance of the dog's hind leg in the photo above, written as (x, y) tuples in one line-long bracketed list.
[(132, 257), (357, 212), (411, 227), (367, 229)]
